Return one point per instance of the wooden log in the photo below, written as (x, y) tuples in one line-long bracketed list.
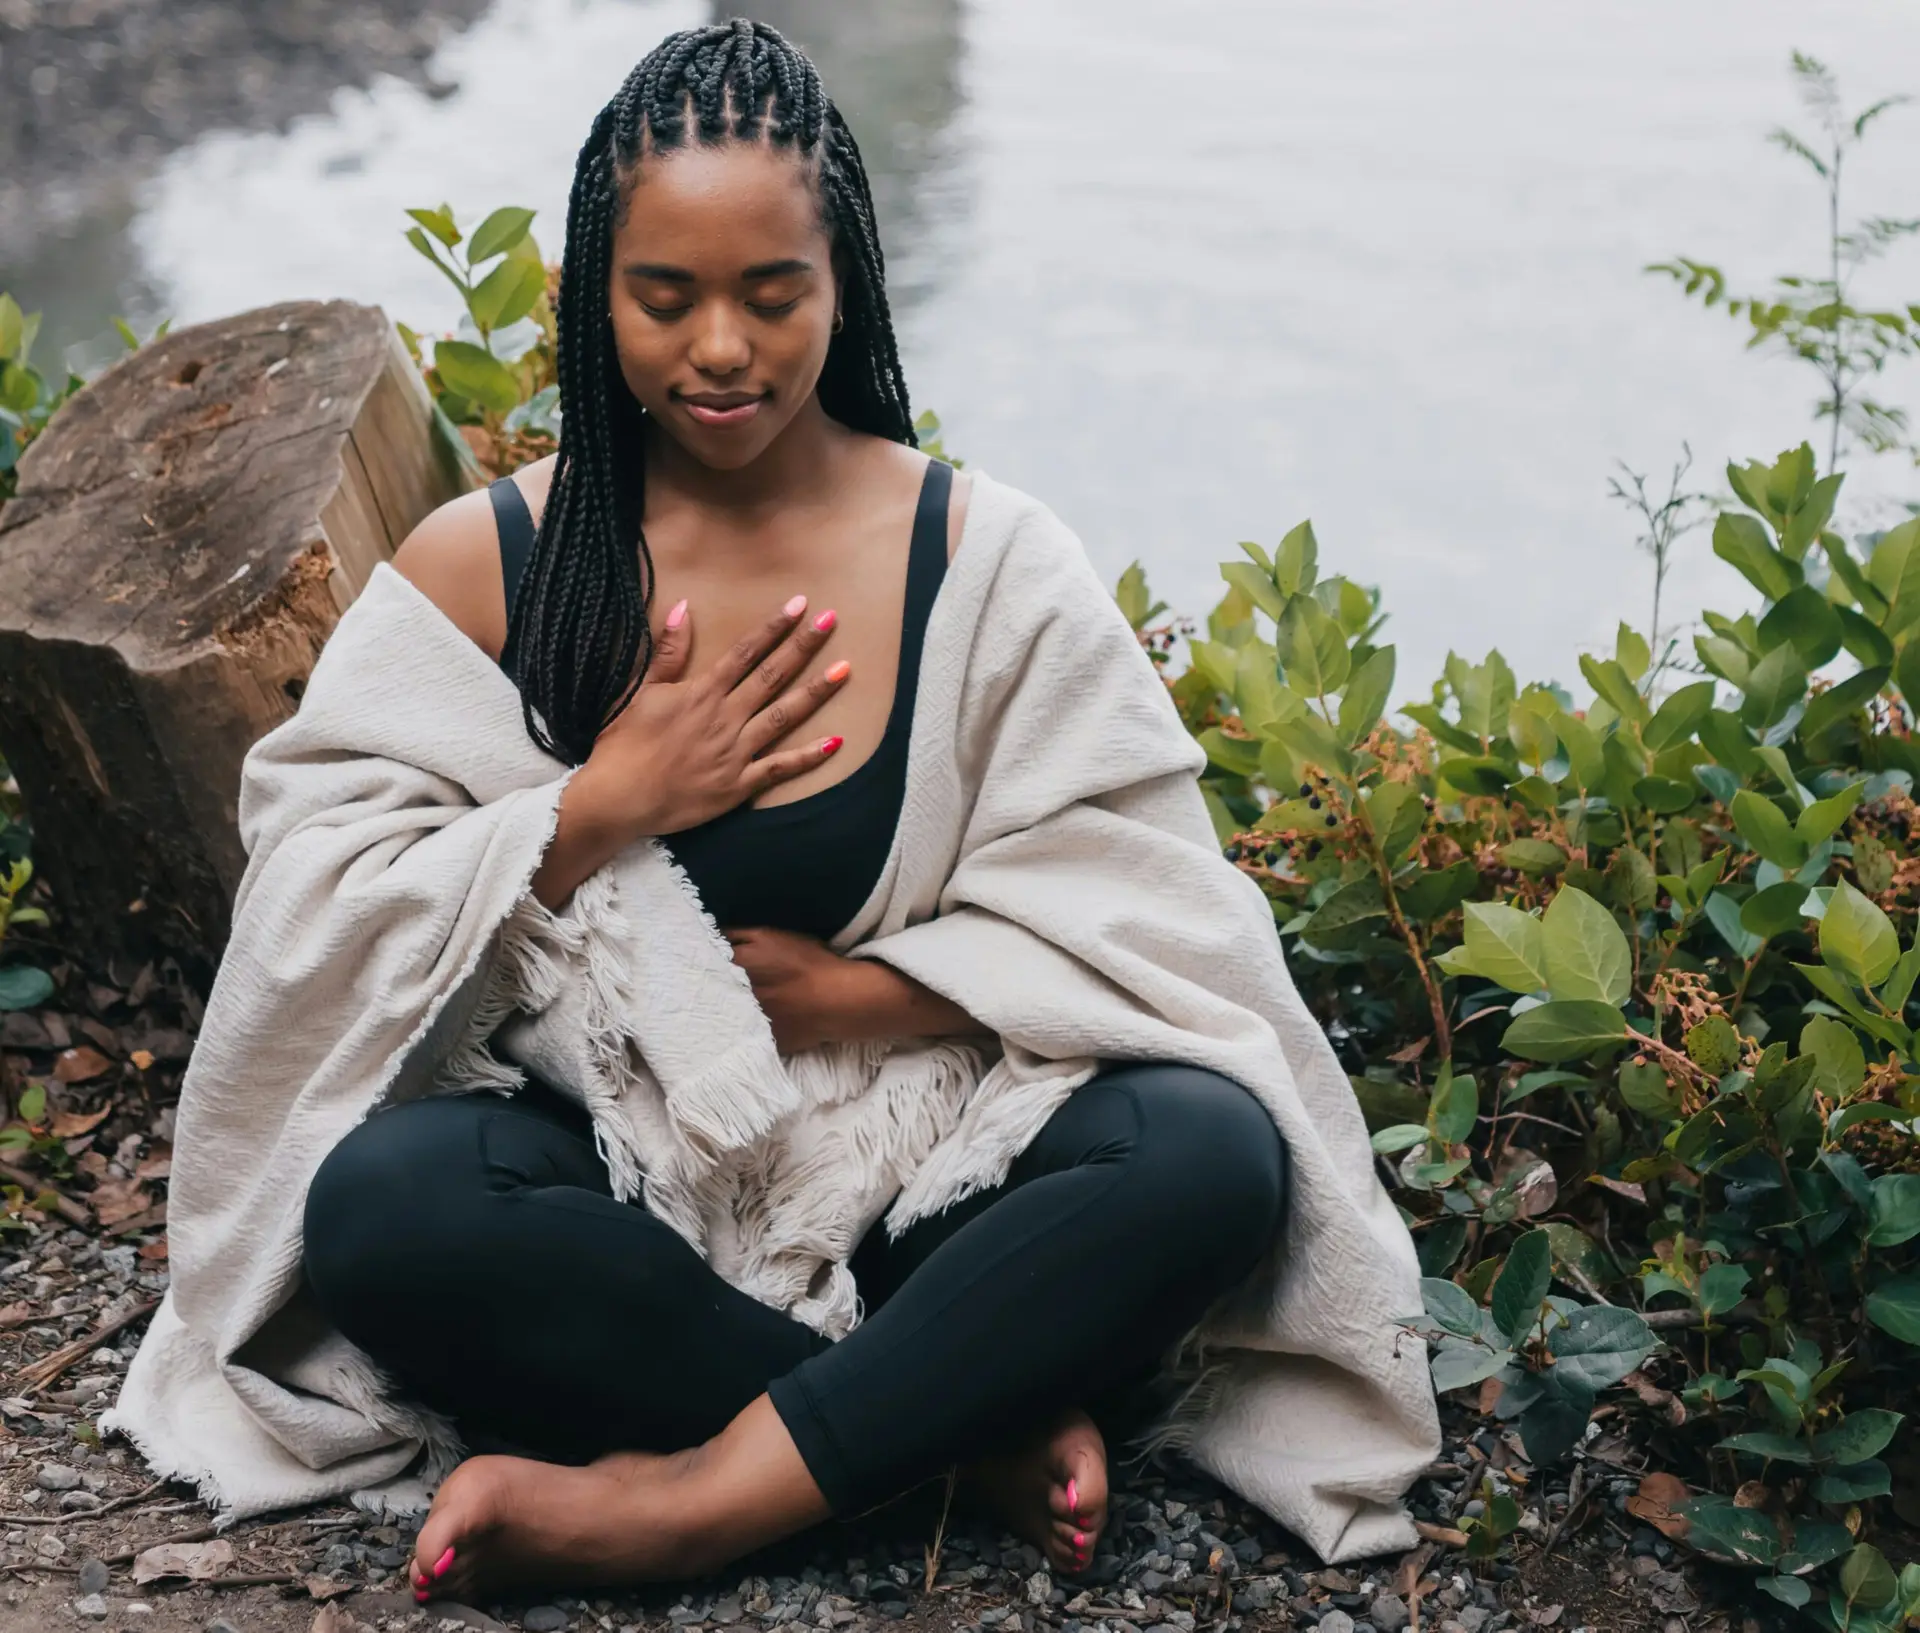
[(186, 534)]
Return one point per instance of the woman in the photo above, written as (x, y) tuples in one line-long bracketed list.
[(654, 1288)]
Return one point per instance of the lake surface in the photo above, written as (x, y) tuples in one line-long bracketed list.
[(1193, 272)]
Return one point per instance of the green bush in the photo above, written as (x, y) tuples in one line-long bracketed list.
[(1626, 993)]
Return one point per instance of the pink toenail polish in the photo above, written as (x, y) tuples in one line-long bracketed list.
[(1073, 1495), (446, 1559), (1080, 1542), (420, 1595)]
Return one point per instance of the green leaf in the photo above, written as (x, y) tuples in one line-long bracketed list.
[(1776, 683), (1485, 690), (506, 294), (1837, 702), (1312, 650), (1366, 695), (1777, 1448), (1397, 815), (1457, 1364), (1566, 1029), (1856, 938), (1349, 908), (1815, 1543), (438, 222), (1898, 987), (1297, 560), (1866, 1578), (1262, 697), (1679, 717), (1861, 1434), (1438, 891), (1644, 1088), (1583, 749), (1476, 773), (1523, 1283), (1506, 945), (1713, 1045), (1822, 819), (12, 326), (1723, 913), (500, 232), (22, 986), (1853, 1483), (1762, 826), (1586, 954), (1894, 1307), (1600, 1344), (1612, 682), (1896, 549), (1721, 1287), (1789, 1590), (1536, 856), (1259, 587), (1805, 620), (1454, 1108), (1775, 910), (1842, 1062), (1895, 1210), (1234, 754), (473, 372), (1400, 1137), (1451, 1306), (1742, 542)]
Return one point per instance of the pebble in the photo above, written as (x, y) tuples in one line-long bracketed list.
[(544, 1619), (1336, 1621), (91, 1605), (57, 1477), (221, 1625), (1389, 1613), (94, 1577)]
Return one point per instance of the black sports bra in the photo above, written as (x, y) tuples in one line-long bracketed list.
[(811, 864)]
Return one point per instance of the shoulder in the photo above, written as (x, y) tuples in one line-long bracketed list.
[(453, 558), (1020, 548)]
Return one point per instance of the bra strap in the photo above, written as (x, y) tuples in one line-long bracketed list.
[(513, 521), (926, 570)]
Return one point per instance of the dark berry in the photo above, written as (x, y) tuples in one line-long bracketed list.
[(1332, 820), (1233, 853), (1314, 802), (1305, 789)]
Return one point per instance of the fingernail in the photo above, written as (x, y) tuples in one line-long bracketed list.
[(826, 620), (1080, 1542), (675, 617), (831, 745), (1073, 1495), (839, 672), (446, 1559), (796, 606)]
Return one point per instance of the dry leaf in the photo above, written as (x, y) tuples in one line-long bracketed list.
[(68, 1125), (15, 1315), (1546, 1617), (151, 1219), (1656, 1501), (143, 1058), (1445, 1535), (323, 1588), (1406, 1575), (196, 1561), (157, 1164), (1661, 1400), (117, 1199), (337, 1619), (1752, 1494), (1620, 1187), (1490, 1392), (1412, 1052), (155, 1250), (79, 1065)]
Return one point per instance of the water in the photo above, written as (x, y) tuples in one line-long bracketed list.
[(1191, 273)]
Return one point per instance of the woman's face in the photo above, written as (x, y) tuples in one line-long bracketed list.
[(723, 295)]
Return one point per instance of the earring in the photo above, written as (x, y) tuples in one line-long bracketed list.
[(839, 323)]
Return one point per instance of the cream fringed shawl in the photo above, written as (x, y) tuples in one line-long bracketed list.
[(1054, 874)]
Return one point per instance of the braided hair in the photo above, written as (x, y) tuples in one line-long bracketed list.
[(579, 642)]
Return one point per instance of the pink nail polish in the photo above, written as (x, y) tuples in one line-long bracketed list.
[(1079, 1542), (420, 1595), (826, 620), (677, 616), (832, 745), (1073, 1495), (446, 1559), (795, 607)]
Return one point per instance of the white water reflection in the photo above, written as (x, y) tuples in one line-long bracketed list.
[(1192, 272)]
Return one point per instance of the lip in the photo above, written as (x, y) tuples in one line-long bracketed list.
[(720, 410)]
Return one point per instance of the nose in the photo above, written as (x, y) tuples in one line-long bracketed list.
[(720, 346)]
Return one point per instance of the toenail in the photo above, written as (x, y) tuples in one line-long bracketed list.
[(446, 1559), (1073, 1495), (1080, 1541)]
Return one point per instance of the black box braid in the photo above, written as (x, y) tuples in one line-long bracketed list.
[(579, 641)]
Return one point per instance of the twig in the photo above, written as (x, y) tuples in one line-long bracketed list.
[(82, 1515), (49, 1367), (75, 1213), (271, 1579), (1576, 1495)]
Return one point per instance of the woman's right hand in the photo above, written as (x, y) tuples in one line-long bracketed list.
[(686, 749)]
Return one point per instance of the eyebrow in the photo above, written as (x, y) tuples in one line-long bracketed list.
[(658, 273)]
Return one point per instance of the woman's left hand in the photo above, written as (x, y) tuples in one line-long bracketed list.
[(801, 984), (813, 996)]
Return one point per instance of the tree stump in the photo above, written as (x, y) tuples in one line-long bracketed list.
[(186, 534)]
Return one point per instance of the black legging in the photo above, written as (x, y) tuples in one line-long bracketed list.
[(471, 1246)]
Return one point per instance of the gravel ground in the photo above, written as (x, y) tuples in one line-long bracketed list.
[(1181, 1556)]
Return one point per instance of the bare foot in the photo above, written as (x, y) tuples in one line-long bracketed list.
[(628, 1517), (1052, 1492)]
